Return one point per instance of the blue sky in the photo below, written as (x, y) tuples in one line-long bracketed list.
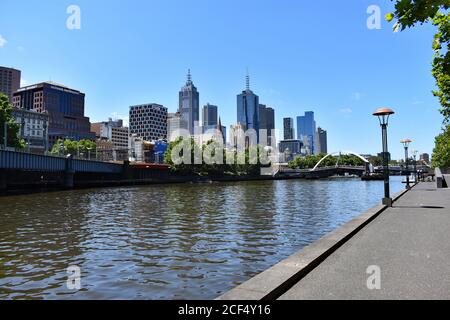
[(302, 55)]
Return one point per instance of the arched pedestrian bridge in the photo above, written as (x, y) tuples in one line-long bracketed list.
[(338, 169)]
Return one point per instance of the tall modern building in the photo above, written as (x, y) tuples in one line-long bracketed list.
[(306, 130), (267, 121), (290, 149), (321, 141), (189, 101), (288, 127), (65, 108), (174, 124), (9, 81), (248, 109), (149, 121), (210, 115)]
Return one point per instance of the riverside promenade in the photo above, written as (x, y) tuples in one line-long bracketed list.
[(408, 244)]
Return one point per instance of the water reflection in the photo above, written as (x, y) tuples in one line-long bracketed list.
[(166, 242)]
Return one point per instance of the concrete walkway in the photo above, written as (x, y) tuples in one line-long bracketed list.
[(410, 244)]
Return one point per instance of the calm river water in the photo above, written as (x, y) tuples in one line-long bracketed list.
[(167, 242)]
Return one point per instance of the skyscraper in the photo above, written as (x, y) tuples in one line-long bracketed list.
[(65, 108), (306, 129), (9, 81), (174, 124), (267, 121), (149, 121), (288, 126), (248, 109), (210, 115), (322, 143), (189, 101)]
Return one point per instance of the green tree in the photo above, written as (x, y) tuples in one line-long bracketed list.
[(441, 153), (409, 13), (13, 128), (67, 146)]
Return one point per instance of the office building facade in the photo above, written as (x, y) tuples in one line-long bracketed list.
[(33, 129), (9, 81), (210, 115), (306, 130), (113, 131), (248, 110), (64, 106), (267, 122), (288, 128), (290, 149), (321, 141), (189, 101), (148, 121), (174, 125)]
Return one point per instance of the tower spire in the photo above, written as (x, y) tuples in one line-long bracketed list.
[(247, 81), (189, 77)]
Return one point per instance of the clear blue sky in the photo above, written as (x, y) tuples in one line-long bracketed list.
[(302, 55)]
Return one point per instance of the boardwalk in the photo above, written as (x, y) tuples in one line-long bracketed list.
[(410, 243)]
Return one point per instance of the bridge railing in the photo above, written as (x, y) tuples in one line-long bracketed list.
[(13, 160), (25, 161)]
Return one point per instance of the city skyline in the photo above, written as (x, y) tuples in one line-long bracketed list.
[(348, 86)]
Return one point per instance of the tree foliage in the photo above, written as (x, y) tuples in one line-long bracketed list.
[(13, 128), (227, 163), (441, 153), (67, 146), (409, 13)]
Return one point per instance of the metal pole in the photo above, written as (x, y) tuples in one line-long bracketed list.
[(407, 168), (415, 169), (387, 193)]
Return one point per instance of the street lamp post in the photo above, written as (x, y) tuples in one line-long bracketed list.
[(416, 176), (383, 115), (406, 143)]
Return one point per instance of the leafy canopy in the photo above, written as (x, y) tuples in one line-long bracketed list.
[(409, 13), (67, 146), (13, 128)]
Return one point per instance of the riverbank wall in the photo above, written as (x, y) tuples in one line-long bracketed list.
[(24, 181)]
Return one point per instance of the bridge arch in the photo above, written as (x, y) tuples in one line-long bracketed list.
[(340, 153)]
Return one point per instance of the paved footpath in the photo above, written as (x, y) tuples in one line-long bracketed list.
[(410, 244)]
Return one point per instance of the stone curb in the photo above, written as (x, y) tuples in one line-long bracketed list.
[(275, 281)]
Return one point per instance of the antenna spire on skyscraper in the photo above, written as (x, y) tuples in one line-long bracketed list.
[(247, 81), (189, 77)]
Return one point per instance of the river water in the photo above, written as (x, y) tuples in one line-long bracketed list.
[(180, 241)]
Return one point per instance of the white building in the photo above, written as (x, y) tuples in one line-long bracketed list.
[(33, 129), (174, 125)]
